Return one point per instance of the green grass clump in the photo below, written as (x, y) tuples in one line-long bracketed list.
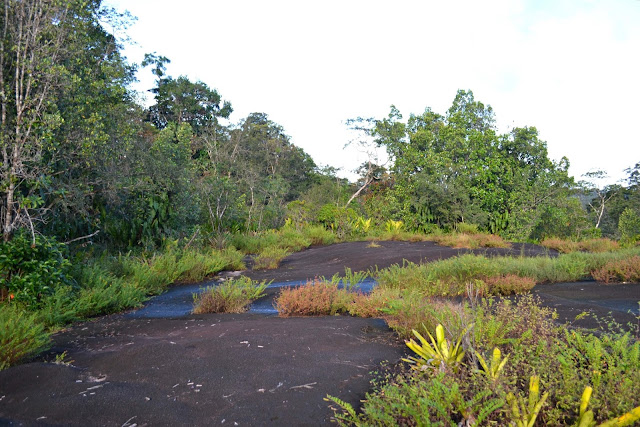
[(318, 235), (588, 245), (269, 258), (232, 296), (21, 335), (153, 273), (470, 240), (450, 277)]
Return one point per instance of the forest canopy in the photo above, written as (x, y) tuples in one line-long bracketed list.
[(81, 158)]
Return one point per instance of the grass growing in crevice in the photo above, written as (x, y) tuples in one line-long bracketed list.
[(21, 335), (449, 277), (231, 296), (470, 240), (269, 258), (588, 245)]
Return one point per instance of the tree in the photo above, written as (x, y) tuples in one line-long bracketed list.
[(183, 101), (600, 195), (33, 37), (456, 168)]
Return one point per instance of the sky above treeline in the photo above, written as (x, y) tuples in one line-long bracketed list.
[(568, 67)]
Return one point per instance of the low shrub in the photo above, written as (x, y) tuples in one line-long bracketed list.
[(21, 335), (623, 270), (232, 296), (31, 271), (315, 298), (546, 364)]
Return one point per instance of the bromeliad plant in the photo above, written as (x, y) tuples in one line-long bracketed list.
[(586, 416), (363, 225), (524, 412), (439, 353), (493, 370), (394, 226)]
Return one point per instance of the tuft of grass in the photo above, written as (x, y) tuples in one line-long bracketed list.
[(318, 235), (269, 258), (232, 296), (21, 335), (315, 298), (623, 270), (466, 228), (449, 277), (589, 245), (470, 240)]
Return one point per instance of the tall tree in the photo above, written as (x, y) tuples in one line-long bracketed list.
[(33, 37)]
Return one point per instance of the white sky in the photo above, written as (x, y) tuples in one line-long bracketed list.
[(569, 67)]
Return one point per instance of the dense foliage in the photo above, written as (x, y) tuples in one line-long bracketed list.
[(87, 172)]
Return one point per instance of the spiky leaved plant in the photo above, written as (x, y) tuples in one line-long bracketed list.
[(439, 353)]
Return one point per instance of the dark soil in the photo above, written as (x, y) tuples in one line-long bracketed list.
[(246, 369)]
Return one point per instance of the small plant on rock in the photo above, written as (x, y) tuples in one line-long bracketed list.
[(493, 369), (525, 412), (439, 353), (232, 296)]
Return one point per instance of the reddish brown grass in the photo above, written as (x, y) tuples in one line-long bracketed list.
[(624, 270), (315, 298)]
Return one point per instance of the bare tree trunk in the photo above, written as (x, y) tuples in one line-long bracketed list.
[(368, 179)]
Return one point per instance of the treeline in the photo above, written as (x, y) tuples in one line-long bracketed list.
[(81, 156), (453, 168), (83, 161)]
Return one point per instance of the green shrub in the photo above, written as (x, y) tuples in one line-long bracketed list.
[(30, 271), (319, 235), (466, 228), (629, 226), (232, 296), (21, 335)]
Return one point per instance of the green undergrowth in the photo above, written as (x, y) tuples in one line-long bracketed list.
[(461, 391), (103, 285)]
